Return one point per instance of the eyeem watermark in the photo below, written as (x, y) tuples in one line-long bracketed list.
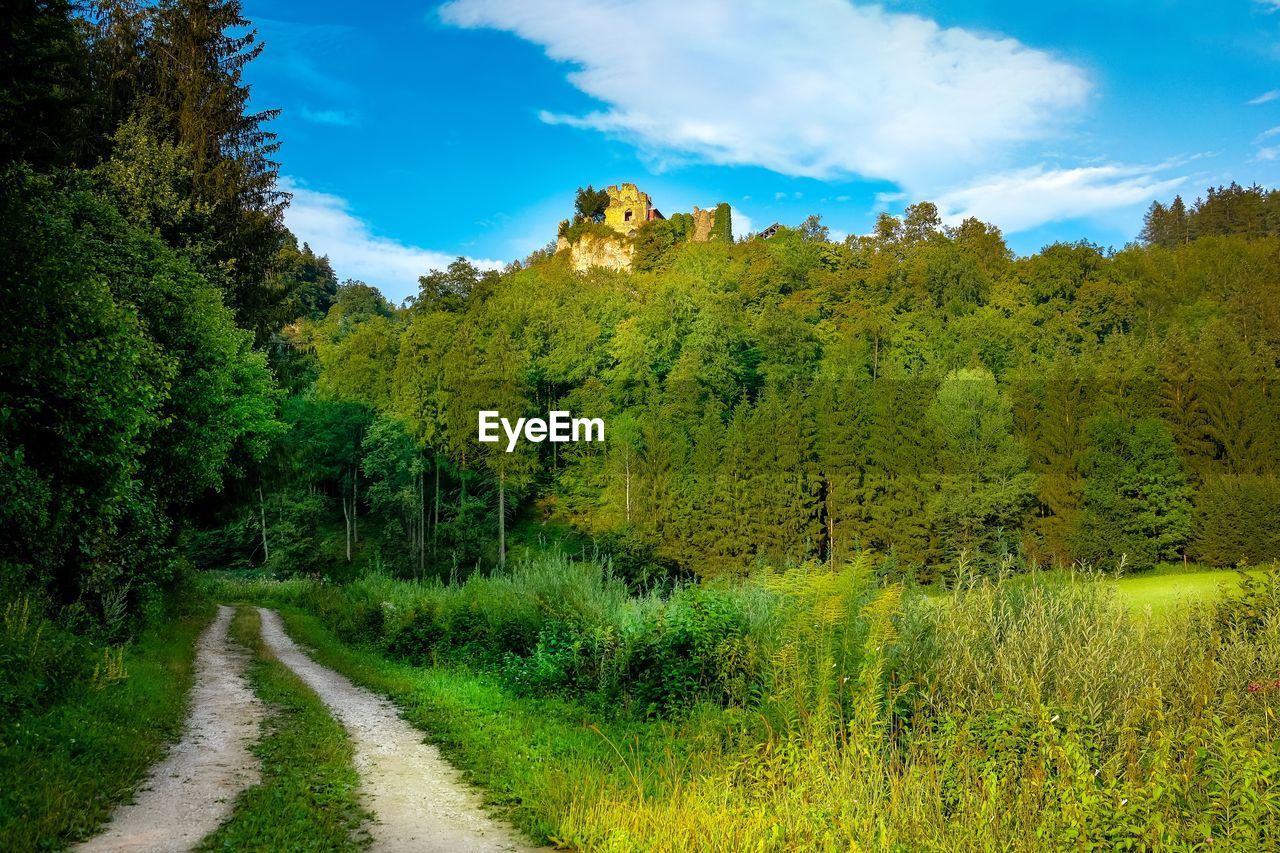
[(558, 426)]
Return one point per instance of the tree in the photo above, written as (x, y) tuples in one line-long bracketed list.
[(127, 393), (984, 485), (1235, 520), (590, 204), (45, 94), (1136, 505), (448, 289), (195, 57)]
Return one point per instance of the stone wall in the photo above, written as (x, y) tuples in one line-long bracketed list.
[(703, 222), (623, 200)]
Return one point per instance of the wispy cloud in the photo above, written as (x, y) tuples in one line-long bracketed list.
[(1264, 98), (1025, 198), (340, 118), (809, 88), (327, 223), (299, 49)]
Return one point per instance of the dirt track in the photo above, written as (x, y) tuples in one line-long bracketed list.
[(419, 801), (192, 791)]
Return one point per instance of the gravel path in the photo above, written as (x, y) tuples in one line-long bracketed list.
[(193, 790), (418, 798)]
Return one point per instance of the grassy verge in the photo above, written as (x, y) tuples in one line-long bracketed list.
[(535, 759), (307, 799), (64, 769)]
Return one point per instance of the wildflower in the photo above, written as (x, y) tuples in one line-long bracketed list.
[(1254, 687)]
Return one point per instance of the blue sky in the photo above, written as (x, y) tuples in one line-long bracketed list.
[(415, 132)]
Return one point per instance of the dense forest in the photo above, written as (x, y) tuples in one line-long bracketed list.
[(918, 393), (184, 383)]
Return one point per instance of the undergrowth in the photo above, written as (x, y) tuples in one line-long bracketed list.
[(84, 746), (817, 709)]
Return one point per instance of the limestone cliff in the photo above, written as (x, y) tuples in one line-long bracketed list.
[(591, 250)]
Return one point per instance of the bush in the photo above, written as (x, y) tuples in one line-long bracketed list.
[(39, 661)]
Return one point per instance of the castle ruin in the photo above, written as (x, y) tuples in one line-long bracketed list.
[(628, 209)]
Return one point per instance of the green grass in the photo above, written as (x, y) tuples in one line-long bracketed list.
[(308, 797), (1163, 592), (1163, 589), (533, 758), (65, 768)]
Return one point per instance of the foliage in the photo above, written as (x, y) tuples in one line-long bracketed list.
[(81, 756), (918, 390), (722, 229), (1249, 211), (129, 393), (1136, 510), (589, 205)]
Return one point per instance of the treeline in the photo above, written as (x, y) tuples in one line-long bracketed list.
[(919, 393), (145, 270), (1230, 210)]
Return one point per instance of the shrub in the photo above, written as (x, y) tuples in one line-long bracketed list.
[(39, 661)]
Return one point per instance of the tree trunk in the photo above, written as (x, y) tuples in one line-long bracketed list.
[(346, 517), (502, 521), (422, 520), (262, 516), (435, 522), (628, 464)]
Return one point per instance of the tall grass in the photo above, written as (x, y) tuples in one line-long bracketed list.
[(1037, 713)]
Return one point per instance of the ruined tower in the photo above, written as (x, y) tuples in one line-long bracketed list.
[(628, 208)]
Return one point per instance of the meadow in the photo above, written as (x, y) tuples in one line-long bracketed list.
[(822, 709)]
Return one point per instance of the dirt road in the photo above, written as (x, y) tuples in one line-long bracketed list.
[(192, 791), (419, 800)]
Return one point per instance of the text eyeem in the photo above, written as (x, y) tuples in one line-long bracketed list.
[(558, 427)]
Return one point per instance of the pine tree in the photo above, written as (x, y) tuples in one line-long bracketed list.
[(1137, 505), (195, 66)]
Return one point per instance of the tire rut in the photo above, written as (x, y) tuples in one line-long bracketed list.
[(193, 789), (420, 801)]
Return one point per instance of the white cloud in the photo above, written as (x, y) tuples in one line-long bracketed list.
[(1025, 198), (326, 222), (1270, 153), (336, 117), (816, 88), (742, 224), (1264, 98)]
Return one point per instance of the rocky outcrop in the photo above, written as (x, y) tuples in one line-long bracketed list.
[(611, 253)]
